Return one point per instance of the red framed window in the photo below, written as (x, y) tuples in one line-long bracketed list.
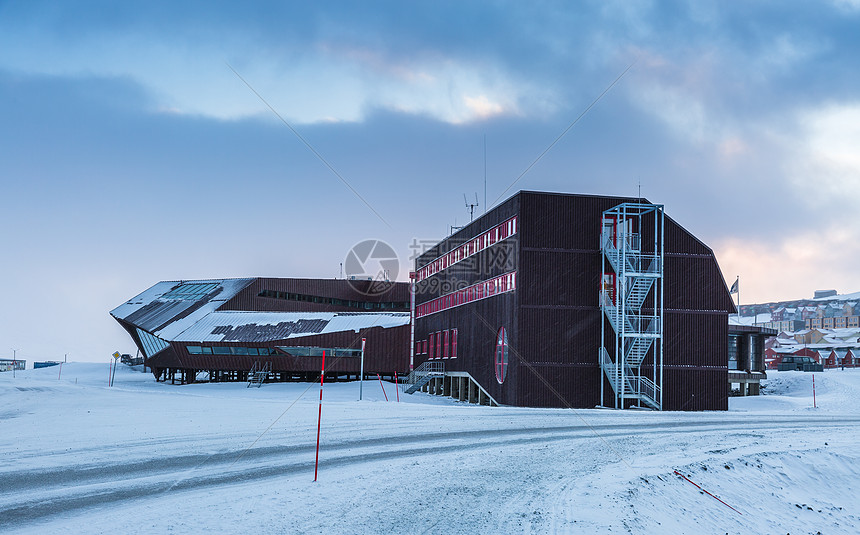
[(454, 344), (445, 344)]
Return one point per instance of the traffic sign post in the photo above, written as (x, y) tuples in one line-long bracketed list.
[(116, 356)]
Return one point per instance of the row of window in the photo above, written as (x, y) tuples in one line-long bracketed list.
[(439, 345), (305, 351), (189, 291), (226, 350), (363, 305), (833, 323), (470, 248), (482, 290)]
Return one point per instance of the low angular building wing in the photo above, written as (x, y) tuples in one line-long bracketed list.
[(226, 327)]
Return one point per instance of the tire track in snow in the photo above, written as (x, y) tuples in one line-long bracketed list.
[(39, 494)]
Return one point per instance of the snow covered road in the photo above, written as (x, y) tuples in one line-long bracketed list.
[(151, 458)]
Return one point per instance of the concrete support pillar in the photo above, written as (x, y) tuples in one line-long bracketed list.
[(461, 388), (473, 392), (482, 398), (446, 386)]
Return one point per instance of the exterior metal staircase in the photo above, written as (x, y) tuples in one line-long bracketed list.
[(632, 303), (422, 375), (259, 373)]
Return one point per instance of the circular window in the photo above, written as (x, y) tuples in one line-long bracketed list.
[(501, 355)]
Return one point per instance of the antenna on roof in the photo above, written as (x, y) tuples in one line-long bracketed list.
[(454, 227), (471, 207)]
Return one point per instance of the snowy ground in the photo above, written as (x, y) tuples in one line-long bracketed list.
[(144, 457)]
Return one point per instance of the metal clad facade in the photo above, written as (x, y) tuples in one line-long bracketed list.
[(387, 333), (349, 290), (386, 352), (560, 320), (559, 325), (477, 323)]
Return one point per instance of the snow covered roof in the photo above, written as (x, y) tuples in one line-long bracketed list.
[(169, 307), (838, 297), (237, 326), (188, 311)]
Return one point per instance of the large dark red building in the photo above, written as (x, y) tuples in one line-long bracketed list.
[(222, 329), (556, 300)]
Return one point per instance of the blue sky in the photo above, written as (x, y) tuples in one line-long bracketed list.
[(132, 153)]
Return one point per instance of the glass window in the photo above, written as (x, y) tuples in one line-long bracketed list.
[(151, 344), (733, 352), (501, 355), (190, 291)]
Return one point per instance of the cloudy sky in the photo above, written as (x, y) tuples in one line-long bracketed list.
[(132, 151)]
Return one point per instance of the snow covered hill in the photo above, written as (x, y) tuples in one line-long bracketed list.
[(146, 457)]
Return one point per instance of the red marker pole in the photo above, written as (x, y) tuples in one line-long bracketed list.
[(708, 493), (814, 405), (382, 387), (397, 387), (319, 419)]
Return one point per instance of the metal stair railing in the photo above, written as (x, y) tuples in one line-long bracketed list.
[(635, 386), (638, 292), (638, 280), (636, 350), (422, 375), (635, 261), (258, 374), (613, 373)]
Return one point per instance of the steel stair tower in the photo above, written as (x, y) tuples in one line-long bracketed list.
[(631, 301)]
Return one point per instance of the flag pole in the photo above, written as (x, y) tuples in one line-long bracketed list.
[(738, 283)]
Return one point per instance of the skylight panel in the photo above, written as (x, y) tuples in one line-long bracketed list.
[(189, 291)]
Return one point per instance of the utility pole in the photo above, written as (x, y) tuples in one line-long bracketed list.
[(14, 361)]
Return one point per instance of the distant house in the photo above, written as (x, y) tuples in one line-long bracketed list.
[(7, 365)]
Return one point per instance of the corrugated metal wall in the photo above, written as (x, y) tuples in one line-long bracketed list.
[(560, 318), (386, 352), (357, 290), (477, 323)]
